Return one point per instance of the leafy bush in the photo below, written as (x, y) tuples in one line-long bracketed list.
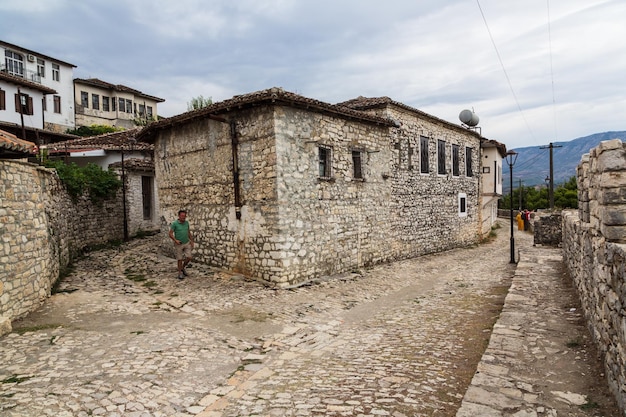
[(93, 130), (100, 184)]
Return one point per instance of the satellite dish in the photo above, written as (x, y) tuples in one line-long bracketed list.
[(469, 118)]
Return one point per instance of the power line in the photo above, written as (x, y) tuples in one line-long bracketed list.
[(551, 70), (508, 80)]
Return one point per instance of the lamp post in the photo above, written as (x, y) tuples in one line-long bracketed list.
[(511, 157)]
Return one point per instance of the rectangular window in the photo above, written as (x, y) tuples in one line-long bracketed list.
[(57, 104), (149, 112), (41, 68), (14, 63), (146, 196), (469, 172), (129, 106), (122, 105), (455, 160), (56, 72), (142, 110), (84, 99), (3, 100), (95, 101), (325, 161), (105, 103), (44, 104), (441, 157), (462, 205), (24, 104), (357, 168), (424, 166), (113, 103)]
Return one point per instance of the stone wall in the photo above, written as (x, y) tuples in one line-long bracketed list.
[(547, 229), (594, 246), (292, 224), (42, 230)]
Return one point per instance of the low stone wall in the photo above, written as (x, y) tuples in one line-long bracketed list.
[(42, 230), (594, 250), (548, 229)]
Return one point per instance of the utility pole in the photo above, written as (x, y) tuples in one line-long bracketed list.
[(551, 189)]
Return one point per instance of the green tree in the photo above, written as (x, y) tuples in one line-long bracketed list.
[(199, 102), (100, 184), (565, 196)]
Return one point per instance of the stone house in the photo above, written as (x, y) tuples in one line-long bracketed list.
[(493, 155), (285, 189), (54, 110), (132, 161), (101, 103)]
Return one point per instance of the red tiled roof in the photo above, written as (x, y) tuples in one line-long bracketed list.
[(135, 164), (12, 143), (115, 87), (107, 141), (269, 96)]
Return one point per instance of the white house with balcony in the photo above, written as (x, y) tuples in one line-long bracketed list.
[(54, 78), (101, 103)]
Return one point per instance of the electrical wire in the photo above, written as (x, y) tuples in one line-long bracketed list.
[(508, 80)]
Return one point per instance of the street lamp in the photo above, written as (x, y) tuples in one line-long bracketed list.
[(511, 157)]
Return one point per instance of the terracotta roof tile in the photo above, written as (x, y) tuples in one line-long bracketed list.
[(5, 76), (108, 141), (12, 143), (272, 95)]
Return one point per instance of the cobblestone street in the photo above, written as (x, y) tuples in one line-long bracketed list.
[(124, 337)]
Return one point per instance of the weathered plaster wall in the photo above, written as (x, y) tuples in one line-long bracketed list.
[(594, 246), (42, 230)]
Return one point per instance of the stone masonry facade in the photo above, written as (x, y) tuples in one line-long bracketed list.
[(286, 189), (42, 230), (594, 245)]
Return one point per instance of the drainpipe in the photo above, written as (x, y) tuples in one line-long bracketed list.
[(235, 145)]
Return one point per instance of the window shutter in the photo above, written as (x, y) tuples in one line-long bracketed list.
[(3, 103), (18, 105), (30, 108)]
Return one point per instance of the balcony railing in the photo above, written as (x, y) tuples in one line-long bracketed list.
[(27, 75)]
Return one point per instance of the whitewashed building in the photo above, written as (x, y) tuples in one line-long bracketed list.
[(48, 83)]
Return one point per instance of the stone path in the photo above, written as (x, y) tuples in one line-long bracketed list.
[(125, 338)]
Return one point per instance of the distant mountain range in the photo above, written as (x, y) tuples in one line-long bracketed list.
[(533, 162)]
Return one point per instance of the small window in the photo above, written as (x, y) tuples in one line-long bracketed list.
[(424, 166), (105, 103), (455, 160), (122, 105), (142, 110), (469, 172), (149, 112), (14, 63), (56, 72), (113, 103), (57, 104), (129, 106), (357, 167), (486, 170), (24, 104), (462, 205), (325, 161), (44, 104), (84, 99), (41, 68), (441, 157), (3, 100), (146, 196), (95, 101)]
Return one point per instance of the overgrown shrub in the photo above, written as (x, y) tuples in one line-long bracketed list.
[(100, 184)]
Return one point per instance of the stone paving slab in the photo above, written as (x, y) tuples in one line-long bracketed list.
[(124, 337)]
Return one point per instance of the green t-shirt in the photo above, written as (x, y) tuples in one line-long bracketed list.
[(181, 231)]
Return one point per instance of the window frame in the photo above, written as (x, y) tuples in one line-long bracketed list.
[(3, 99), (469, 168), (325, 161), (462, 204), (106, 103), (456, 168), (95, 101), (424, 155), (56, 72), (56, 100), (357, 165), (84, 99), (41, 68), (14, 63), (26, 106), (441, 157)]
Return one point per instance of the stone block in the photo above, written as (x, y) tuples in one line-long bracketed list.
[(613, 233), (5, 326), (614, 215)]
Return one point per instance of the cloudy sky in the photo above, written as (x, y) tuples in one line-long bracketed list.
[(534, 71)]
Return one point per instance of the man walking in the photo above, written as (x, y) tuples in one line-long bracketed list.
[(183, 242)]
